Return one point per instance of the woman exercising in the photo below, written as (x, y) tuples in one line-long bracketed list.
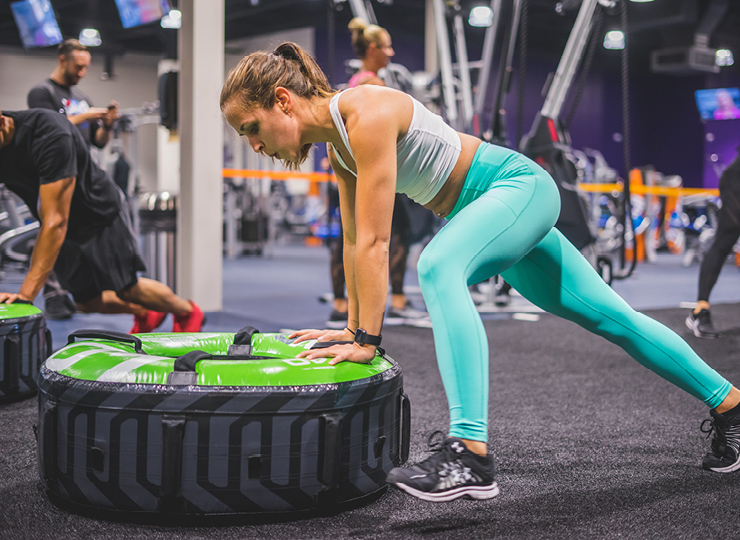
[(501, 208)]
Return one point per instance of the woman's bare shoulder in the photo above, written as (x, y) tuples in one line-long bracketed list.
[(376, 103), (371, 95)]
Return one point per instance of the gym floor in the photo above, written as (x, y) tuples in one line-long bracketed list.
[(588, 443), (285, 291)]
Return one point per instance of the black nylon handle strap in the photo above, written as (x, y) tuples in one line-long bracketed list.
[(244, 336), (49, 348), (187, 362), (405, 438), (173, 435), (12, 353), (107, 334)]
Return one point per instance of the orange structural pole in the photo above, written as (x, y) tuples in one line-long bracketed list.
[(640, 189), (279, 175)]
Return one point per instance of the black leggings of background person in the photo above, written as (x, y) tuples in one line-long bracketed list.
[(401, 236), (728, 230)]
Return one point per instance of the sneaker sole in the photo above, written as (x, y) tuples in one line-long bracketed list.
[(472, 492), (698, 333), (731, 468)]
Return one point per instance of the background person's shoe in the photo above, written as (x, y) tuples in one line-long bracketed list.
[(725, 454), (450, 473), (502, 299), (143, 324), (58, 306), (337, 320), (701, 324), (406, 312), (190, 322)]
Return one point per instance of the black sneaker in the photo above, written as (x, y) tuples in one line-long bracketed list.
[(58, 306), (337, 319), (701, 324), (451, 472), (725, 454)]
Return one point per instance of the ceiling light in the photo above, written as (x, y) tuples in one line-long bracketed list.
[(724, 57), (90, 37), (614, 39), (641, 1), (480, 16), (172, 20)]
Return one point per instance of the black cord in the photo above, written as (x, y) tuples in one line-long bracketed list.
[(627, 215)]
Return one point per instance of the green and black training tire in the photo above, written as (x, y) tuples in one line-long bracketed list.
[(26, 343), (215, 423)]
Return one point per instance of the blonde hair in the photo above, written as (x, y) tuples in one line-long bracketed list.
[(363, 34), (252, 83)]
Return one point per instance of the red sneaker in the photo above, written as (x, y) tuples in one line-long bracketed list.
[(143, 324), (190, 322)]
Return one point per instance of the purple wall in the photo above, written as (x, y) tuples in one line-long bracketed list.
[(721, 140)]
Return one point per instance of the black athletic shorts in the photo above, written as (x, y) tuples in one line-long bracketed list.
[(105, 258)]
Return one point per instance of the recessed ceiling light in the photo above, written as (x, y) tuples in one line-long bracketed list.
[(614, 39), (480, 16), (172, 20), (90, 37)]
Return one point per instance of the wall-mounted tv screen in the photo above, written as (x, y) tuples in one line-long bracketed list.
[(36, 23), (718, 103), (138, 12)]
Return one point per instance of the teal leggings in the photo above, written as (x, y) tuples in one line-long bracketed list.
[(503, 223)]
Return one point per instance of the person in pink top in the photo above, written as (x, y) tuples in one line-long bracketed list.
[(372, 44)]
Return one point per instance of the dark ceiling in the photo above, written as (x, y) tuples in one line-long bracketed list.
[(654, 25)]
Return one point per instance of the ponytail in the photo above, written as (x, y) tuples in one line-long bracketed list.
[(363, 34)]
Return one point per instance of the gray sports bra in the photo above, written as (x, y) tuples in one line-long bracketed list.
[(426, 155)]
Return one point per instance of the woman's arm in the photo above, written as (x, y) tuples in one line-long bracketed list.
[(375, 118), (346, 183), (373, 131)]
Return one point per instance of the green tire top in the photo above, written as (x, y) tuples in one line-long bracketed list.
[(111, 361), (10, 312)]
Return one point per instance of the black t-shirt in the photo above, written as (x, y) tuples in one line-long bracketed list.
[(45, 148), (68, 100)]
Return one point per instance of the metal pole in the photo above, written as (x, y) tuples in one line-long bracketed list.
[(360, 10), (330, 39), (489, 42), (370, 13), (569, 62), (464, 70), (445, 63)]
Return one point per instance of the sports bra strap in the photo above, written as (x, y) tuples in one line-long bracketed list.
[(339, 123)]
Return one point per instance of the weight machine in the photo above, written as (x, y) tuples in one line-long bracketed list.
[(548, 141)]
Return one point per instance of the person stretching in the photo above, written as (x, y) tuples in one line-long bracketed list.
[(501, 209)]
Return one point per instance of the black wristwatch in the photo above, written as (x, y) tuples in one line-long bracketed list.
[(363, 338)]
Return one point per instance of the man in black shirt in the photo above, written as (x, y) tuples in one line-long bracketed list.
[(60, 93), (85, 233)]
